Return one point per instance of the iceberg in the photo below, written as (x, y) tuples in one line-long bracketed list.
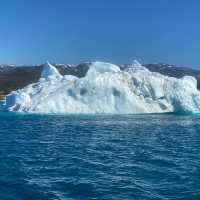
[(106, 89)]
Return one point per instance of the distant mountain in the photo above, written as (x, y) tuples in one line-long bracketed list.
[(15, 77)]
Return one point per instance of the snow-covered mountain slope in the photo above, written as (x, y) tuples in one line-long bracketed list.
[(106, 89)]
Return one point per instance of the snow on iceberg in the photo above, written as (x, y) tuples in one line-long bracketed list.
[(101, 68), (106, 89)]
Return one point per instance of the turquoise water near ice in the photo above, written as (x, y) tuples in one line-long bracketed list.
[(119, 157)]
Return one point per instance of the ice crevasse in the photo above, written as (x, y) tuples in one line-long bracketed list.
[(106, 89)]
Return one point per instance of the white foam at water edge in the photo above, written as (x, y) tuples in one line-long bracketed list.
[(106, 89)]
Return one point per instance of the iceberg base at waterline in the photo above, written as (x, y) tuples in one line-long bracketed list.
[(106, 89)]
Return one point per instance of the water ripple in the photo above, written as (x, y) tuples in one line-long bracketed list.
[(99, 157)]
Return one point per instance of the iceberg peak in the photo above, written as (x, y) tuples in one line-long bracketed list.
[(102, 67), (137, 66), (136, 63), (50, 72)]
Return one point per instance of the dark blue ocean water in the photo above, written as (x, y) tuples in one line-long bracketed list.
[(99, 157)]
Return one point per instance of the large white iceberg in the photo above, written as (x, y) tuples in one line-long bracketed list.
[(106, 89)]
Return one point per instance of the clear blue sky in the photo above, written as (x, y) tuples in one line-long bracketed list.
[(71, 31)]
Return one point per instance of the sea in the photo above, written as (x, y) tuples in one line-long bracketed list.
[(104, 157)]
